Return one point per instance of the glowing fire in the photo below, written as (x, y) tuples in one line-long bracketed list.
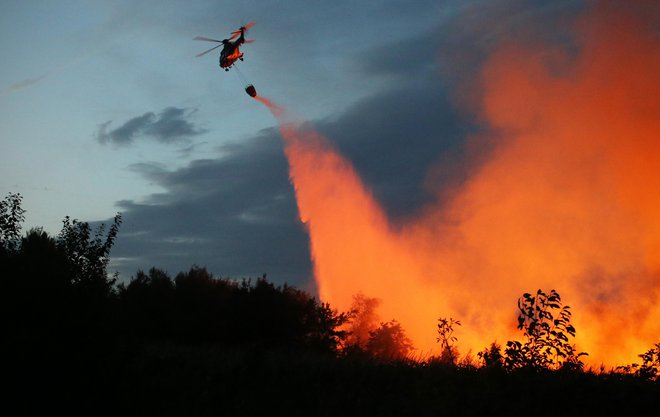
[(569, 199)]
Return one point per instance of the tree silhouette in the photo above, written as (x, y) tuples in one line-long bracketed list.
[(38, 297), (198, 308), (11, 217), (325, 334), (147, 305), (43, 264), (88, 255), (54, 323), (285, 317), (389, 342), (362, 319)]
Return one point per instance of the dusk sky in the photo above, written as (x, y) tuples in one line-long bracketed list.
[(104, 108)]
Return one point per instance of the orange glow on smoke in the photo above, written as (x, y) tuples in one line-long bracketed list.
[(568, 199)]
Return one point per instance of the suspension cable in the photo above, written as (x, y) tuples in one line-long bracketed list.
[(240, 75)]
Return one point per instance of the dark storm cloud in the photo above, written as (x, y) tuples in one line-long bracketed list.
[(236, 215), (172, 125)]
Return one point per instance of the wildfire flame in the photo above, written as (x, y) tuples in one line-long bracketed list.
[(568, 199)]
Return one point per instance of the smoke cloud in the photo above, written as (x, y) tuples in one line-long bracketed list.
[(567, 199)]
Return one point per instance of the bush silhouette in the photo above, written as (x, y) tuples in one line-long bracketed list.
[(492, 357), (649, 369), (546, 327), (389, 342), (447, 339)]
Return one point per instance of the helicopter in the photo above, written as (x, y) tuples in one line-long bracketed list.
[(231, 49)]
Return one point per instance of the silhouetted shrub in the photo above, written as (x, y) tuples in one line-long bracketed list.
[(492, 357), (389, 342), (446, 338), (649, 369), (547, 345)]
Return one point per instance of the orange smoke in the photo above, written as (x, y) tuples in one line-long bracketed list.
[(569, 199)]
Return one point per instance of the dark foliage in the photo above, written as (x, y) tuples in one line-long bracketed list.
[(447, 339), (88, 256), (170, 380), (362, 319), (389, 342), (492, 357), (200, 345), (58, 319), (546, 326), (197, 308), (11, 217), (649, 369)]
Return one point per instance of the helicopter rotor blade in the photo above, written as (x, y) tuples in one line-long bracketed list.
[(203, 38), (248, 41), (244, 28), (208, 50)]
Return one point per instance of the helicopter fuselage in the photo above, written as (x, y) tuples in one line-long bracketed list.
[(229, 55), (231, 52)]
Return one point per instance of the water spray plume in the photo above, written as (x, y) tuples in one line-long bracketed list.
[(277, 111), (568, 200), (349, 233)]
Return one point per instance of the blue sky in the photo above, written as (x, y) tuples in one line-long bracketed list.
[(104, 108), (72, 66)]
